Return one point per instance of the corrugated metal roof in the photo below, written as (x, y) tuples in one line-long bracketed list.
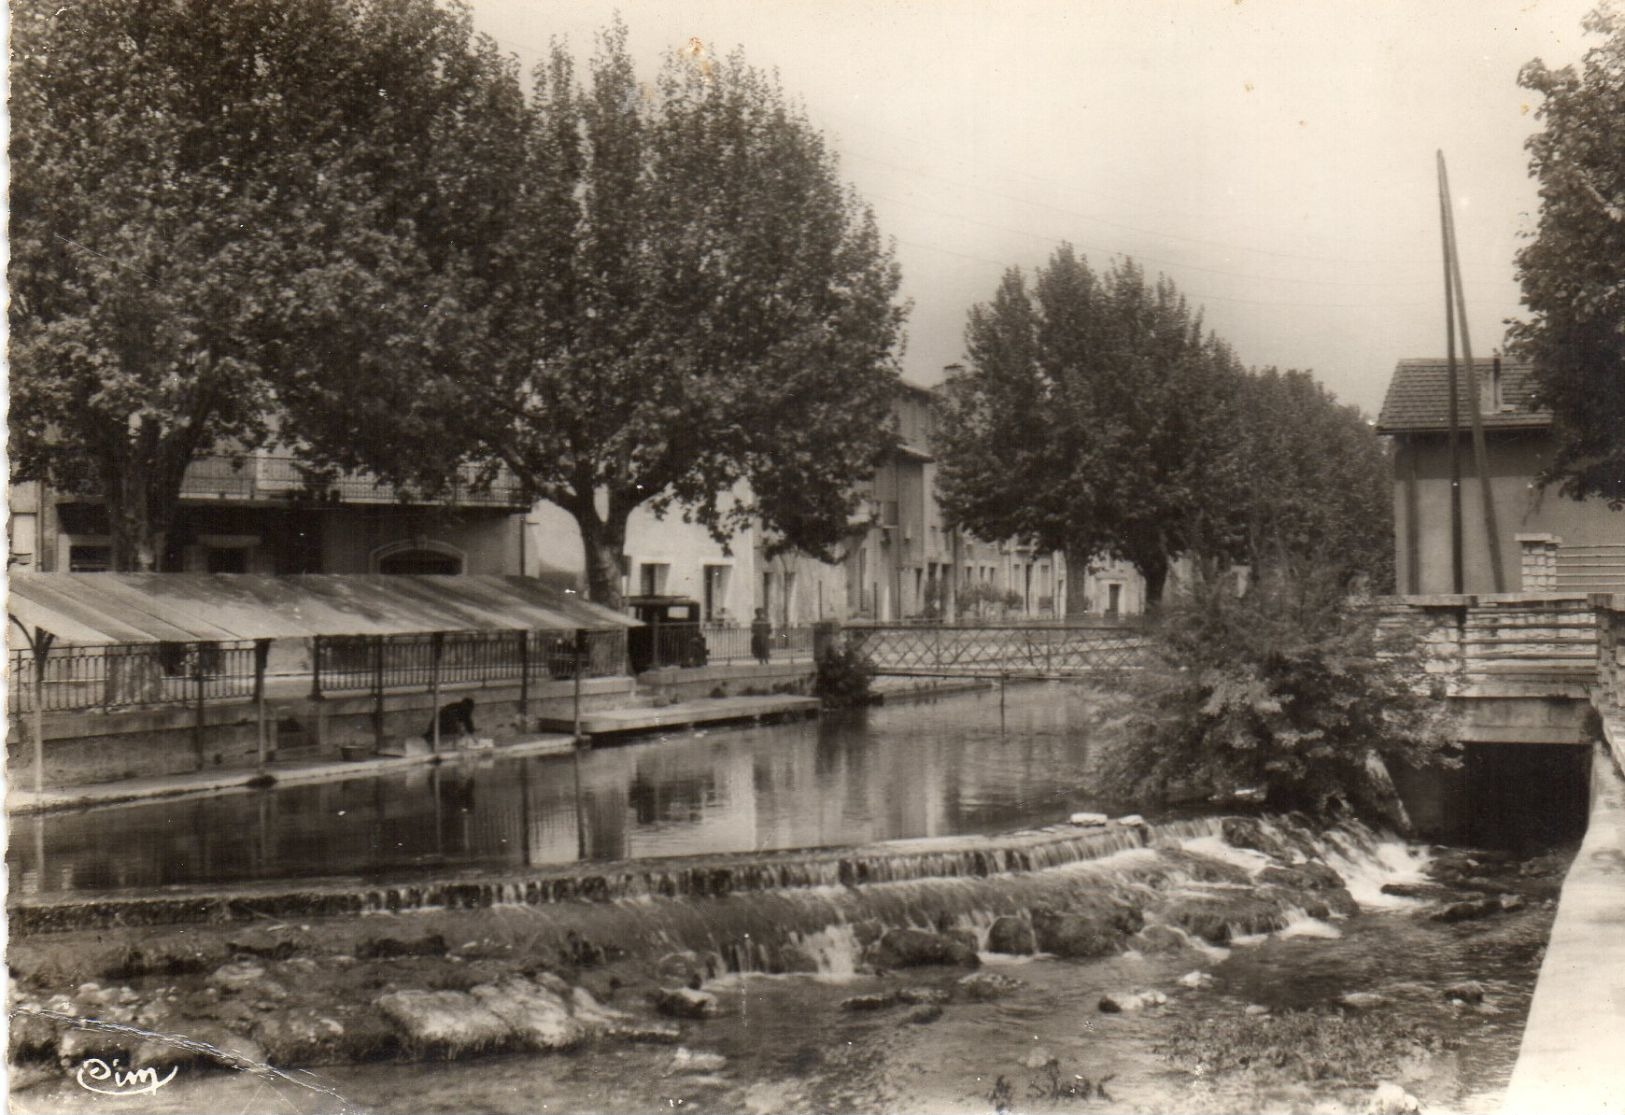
[(1419, 397), (217, 607)]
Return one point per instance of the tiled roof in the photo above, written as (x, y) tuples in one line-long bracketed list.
[(1419, 397)]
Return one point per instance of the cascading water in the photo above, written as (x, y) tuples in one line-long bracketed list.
[(824, 914)]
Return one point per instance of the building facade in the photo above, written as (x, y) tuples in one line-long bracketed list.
[(256, 513), (901, 562), (1545, 542)]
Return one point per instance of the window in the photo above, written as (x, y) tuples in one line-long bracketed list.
[(24, 534), (652, 578), (716, 591), (89, 558)]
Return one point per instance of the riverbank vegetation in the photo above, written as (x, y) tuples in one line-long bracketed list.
[(845, 675), (1286, 689)]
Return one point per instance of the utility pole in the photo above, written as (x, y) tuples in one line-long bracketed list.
[(1480, 453), (1453, 438)]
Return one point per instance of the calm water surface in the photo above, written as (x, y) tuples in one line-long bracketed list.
[(946, 766)]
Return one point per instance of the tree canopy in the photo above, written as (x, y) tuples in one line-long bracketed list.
[(694, 301), (1573, 271), (1096, 417), (215, 203), (1086, 416)]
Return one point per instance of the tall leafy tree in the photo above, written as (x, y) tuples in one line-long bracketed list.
[(1312, 483), (213, 204), (1089, 419), (1573, 272), (695, 301)]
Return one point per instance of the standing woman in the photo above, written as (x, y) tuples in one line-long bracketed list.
[(761, 633)]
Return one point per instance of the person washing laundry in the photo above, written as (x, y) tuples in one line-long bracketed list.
[(456, 723)]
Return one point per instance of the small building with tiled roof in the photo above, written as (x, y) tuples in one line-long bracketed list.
[(1547, 542)]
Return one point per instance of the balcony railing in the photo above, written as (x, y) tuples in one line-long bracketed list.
[(259, 477)]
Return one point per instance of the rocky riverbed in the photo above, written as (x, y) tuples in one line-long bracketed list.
[(1246, 965)]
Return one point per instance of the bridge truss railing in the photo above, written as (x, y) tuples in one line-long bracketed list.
[(1002, 650)]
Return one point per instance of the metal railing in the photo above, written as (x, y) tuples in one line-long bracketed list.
[(1004, 650), (732, 643), (124, 675), (127, 675), (690, 645), (363, 663), (264, 476)]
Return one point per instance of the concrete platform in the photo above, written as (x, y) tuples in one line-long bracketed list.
[(687, 714), (21, 802), (1570, 1060)]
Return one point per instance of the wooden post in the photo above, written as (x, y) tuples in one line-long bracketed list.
[(1453, 438), (524, 680), (575, 751), (378, 692), (1480, 452), (436, 646), (316, 692), (262, 654), (197, 696)]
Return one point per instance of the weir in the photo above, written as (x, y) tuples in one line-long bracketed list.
[(815, 912)]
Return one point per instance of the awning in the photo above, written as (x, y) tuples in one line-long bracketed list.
[(90, 608)]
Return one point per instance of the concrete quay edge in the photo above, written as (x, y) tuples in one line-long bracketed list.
[(21, 802), (1574, 1038)]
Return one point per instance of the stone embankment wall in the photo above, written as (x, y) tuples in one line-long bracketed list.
[(1608, 696)]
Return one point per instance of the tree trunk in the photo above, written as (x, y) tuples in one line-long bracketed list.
[(138, 516), (1155, 572), (603, 542), (1077, 568)]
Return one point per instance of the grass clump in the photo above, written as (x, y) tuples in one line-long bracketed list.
[(1302, 1046)]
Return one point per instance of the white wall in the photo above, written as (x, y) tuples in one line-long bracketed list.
[(680, 551)]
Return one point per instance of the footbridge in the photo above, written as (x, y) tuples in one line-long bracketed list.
[(1001, 651)]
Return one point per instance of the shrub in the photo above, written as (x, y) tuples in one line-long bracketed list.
[(845, 674), (1288, 687)]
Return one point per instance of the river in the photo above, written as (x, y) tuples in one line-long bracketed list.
[(790, 1042)]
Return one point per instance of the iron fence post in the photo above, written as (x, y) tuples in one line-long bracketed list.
[(580, 657), (524, 678), (436, 645), (262, 654), (197, 724), (378, 692)]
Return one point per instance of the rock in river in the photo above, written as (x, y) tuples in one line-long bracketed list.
[(981, 986), (685, 1002), (538, 1017), (443, 1023), (1468, 991), (1012, 935), (1078, 935), (910, 948)]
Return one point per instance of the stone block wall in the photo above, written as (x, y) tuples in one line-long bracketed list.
[(1537, 555)]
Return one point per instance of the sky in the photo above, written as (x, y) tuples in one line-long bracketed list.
[(1275, 158)]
